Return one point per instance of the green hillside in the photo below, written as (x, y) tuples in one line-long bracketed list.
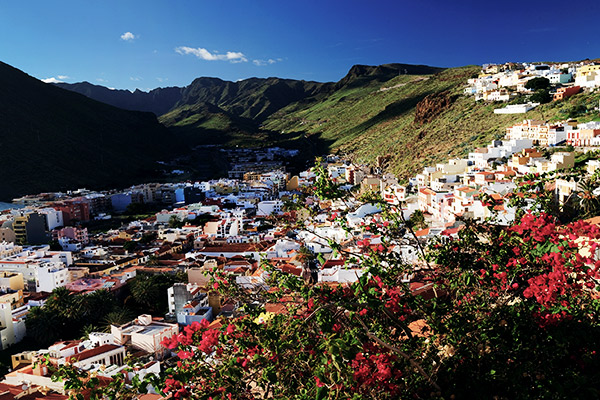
[(379, 118), (371, 111), (52, 139)]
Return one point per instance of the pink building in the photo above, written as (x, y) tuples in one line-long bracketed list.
[(72, 232)]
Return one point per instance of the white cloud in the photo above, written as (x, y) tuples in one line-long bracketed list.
[(135, 78), (63, 77), (52, 80), (203, 54), (161, 80), (262, 63), (127, 36), (101, 80)]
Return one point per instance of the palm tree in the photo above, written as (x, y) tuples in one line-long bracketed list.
[(97, 304), (86, 330), (146, 292), (118, 316), (589, 203), (65, 303), (43, 326)]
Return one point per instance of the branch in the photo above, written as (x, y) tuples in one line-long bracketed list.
[(396, 350)]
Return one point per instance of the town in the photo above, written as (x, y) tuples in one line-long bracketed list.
[(86, 241)]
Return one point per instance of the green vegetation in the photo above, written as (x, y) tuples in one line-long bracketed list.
[(378, 118), (539, 83), (52, 139), (149, 292), (541, 96), (416, 220), (370, 112), (67, 315)]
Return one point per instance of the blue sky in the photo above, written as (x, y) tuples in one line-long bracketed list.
[(147, 44)]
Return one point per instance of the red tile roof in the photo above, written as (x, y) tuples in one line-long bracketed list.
[(84, 355)]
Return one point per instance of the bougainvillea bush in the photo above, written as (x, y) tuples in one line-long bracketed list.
[(497, 312)]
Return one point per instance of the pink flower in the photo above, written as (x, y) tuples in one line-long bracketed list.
[(230, 329), (184, 354)]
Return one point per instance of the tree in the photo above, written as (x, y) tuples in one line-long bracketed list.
[(417, 220), (539, 83), (130, 246), (118, 316), (589, 203), (541, 96), (97, 305), (175, 222), (150, 291), (67, 315), (42, 326), (145, 292), (202, 219), (147, 238), (65, 304)]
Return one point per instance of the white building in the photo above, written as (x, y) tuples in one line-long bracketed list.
[(269, 207), (516, 108), (50, 276), (106, 354), (54, 218), (226, 227), (145, 334), (340, 274), (33, 259), (12, 330)]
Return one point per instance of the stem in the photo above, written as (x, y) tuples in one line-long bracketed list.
[(402, 354)]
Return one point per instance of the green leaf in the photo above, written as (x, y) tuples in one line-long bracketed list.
[(321, 392)]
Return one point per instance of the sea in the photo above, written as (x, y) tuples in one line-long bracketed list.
[(6, 206)]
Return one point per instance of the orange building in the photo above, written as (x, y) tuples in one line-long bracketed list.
[(566, 92)]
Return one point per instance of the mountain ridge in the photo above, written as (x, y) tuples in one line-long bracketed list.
[(242, 98), (419, 120), (52, 139)]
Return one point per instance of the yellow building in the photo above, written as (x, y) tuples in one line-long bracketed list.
[(587, 70), (11, 280), (292, 184), (15, 299), (20, 229)]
